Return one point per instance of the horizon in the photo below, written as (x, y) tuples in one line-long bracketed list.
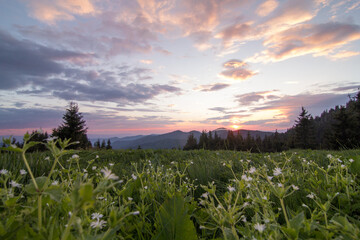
[(153, 67)]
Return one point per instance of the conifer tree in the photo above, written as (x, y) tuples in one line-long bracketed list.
[(304, 130), (73, 127), (191, 143), (108, 145)]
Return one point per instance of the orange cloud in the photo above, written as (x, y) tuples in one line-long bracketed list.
[(344, 54), (237, 70), (52, 11), (266, 8)]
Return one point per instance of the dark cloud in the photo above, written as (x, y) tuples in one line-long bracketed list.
[(213, 87), (22, 61), (14, 118), (353, 88), (237, 70), (254, 97)]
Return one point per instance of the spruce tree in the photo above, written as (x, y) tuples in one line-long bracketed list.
[(191, 143), (304, 130), (73, 127), (108, 145)]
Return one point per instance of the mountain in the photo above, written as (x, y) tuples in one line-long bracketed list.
[(176, 139)]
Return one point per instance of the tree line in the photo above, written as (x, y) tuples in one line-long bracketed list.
[(337, 128)]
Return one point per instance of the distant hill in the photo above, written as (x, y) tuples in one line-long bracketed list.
[(176, 139)]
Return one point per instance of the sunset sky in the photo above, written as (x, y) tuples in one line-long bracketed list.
[(146, 66)]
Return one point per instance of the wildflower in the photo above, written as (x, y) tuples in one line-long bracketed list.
[(56, 182), (304, 205), (134, 176), (108, 174), (146, 187), (23, 172), (47, 158), (264, 197), (130, 198), (277, 171), (280, 185), (70, 213), (311, 195), (343, 166), (97, 156), (205, 195), (246, 204), (295, 187), (246, 178), (202, 227), (351, 160), (15, 184), (231, 189), (111, 164), (191, 162), (339, 160), (252, 170), (98, 224), (51, 139), (270, 177), (84, 170), (93, 168), (259, 227), (329, 156), (4, 171), (243, 218), (96, 216), (224, 164), (75, 156), (136, 213)]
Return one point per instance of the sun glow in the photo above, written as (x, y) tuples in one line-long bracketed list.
[(235, 127)]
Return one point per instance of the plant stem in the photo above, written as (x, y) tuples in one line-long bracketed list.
[(40, 212), (51, 171), (284, 210), (67, 230), (30, 172)]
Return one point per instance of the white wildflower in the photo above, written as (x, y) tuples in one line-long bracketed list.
[(205, 195), (343, 166), (49, 139), (93, 168), (202, 227), (259, 227), (243, 218), (295, 187), (252, 170), (339, 160), (351, 160), (224, 164), (246, 178), (4, 171), (47, 158), (130, 198), (146, 187), (280, 185), (84, 170), (136, 213), (231, 189), (245, 204), (15, 184), (329, 156), (304, 205), (98, 224), (134, 176), (97, 156), (96, 216), (56, 182), (311, 195), (277, 171), (264, 197), (108, 174), (270, 177), (111, 164), (75, 156), (23, 172)]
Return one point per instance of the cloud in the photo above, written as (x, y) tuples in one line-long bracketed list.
[(50, 11), (254, 97), (343, 54), (22, 60), (237, 70), (315, 39), (266, 8), (146, 61), (213, 87)]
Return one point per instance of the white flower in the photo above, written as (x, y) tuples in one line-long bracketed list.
[(111, 164), (4, 171), (146, 187), (136, 213), (23, 172), (47, 158), (339, 160), (343, 166), (280, 185), (304, 205), (51, 139), (259, 227), (98, 224), (231, 189), (224, 164), (277, 171), (96, 216), (246, 178), (329, 156), (311, 195), (75, 156), (130, 198), (295, 187), (252, 170), (351, 160), (134, 176), (56, 182), (205, 195), (97, 156), (270, 177), (84, 170), (15, 184), (93, 168), (264, 197), (243, 218), (202, 227), (108, 174)]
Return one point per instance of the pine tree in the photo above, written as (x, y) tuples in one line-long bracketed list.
[(191, 143), (108, 145), (304, 130), (73, 127), (203, 141), (103, 144)]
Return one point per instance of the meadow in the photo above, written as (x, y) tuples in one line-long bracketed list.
[(174, 194)]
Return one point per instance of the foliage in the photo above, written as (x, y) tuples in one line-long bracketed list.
[(172, 194)]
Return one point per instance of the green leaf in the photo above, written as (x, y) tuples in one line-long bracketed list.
[(55, 193), (82, 196), (355, 166), (31, 189), (173, 221), (11, 202), (297, 221)]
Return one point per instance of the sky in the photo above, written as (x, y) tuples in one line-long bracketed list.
[(151, 67)]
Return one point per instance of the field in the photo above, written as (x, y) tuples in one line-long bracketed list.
[(173, 194)]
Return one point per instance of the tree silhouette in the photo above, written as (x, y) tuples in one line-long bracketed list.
[(73, 127), (191, 143), (304, 130)]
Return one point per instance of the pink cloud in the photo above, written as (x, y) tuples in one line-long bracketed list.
[(237, 70), (266, 8)]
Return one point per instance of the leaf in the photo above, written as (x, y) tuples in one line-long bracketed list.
[(173, 221), (31, 189), (54, 192), (297, 221), (82, 196), (355, 166), (11, 202)]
